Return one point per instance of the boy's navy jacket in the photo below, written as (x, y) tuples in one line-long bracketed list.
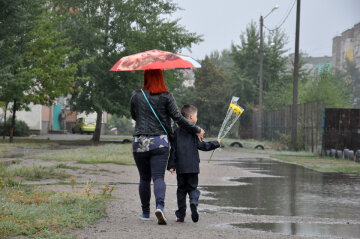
[(184, 154)]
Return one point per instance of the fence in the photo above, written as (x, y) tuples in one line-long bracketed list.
[(342, 129), (276, 125)]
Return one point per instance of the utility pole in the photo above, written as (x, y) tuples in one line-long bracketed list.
[(259, 126), (295, 83)]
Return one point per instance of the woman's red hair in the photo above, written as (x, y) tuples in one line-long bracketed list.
[(154, 81)]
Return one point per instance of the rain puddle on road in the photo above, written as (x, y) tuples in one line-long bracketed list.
[(296, 192), (306, 229)]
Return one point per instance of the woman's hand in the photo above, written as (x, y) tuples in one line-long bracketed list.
[(201, 134)]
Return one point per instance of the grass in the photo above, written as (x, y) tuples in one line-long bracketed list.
[(65, 166), (304, 158), (32, 173), (28, 143), (116, 137), (40, 214), (108, 153), (321, 164)]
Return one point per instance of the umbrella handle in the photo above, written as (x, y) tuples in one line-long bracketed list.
[(211, 155)]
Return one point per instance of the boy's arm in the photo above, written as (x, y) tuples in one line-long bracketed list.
[(207, 146)]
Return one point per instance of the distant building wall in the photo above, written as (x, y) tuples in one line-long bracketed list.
[(32, 118), (347, 46), (312, 64)]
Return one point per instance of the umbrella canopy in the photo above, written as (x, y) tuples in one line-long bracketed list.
[(155, 59)]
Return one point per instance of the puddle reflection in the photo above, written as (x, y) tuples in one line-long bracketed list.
[(296, 191), (305, 229)]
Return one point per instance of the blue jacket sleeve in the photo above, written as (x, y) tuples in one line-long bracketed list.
[(207, 146)]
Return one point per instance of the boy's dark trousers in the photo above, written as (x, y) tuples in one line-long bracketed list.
[(187, 184)]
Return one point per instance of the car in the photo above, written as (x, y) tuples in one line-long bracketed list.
[(84, 125)]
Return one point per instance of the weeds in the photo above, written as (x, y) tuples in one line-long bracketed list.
[(61, 165), (29, 213), (106, 191), (73, 182), (32, 173)]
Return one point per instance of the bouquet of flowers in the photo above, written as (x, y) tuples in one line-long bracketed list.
[(232, 115)]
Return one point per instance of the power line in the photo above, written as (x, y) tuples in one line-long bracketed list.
[(284, 19)]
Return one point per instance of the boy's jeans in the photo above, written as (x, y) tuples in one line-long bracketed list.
[(187, 184), (152, 164)]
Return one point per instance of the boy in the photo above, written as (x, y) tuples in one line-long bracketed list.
[(184, 158)]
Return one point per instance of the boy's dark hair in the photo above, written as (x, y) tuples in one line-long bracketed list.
[(187, 110)]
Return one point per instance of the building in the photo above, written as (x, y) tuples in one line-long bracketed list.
[(314, 65), (43, 119), (347, 46)]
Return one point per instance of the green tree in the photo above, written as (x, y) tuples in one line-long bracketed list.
[(209, 96), (222, 60), (280, 91), (105, 31), (329, 87), (34, 64), (122, 124), (244, 78)]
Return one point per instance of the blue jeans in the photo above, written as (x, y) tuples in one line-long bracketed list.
[(152, 165)]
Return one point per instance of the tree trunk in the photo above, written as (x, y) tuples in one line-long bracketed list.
[(5, 115), (13, 123), (96, 135)]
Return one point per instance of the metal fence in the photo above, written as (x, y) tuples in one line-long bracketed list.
[(276, 125), (342, 129)]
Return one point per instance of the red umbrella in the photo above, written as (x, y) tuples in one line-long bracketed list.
[(155, 59)]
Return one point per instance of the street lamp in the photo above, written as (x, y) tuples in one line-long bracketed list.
[(261, 72)]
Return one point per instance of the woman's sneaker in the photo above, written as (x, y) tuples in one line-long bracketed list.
[(178, 219), (194, 213), (159, 213), (145, 217)]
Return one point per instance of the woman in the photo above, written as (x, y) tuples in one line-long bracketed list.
[(150, 141)]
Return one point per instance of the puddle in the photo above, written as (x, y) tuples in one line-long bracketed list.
[(295, 191), (306, 229)]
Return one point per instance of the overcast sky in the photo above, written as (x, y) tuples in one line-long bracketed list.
[(221, 22)]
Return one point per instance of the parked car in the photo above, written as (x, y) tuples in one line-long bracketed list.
[(84, 125)]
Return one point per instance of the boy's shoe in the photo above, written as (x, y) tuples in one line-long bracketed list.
[(159, 213), (145, 217), (194, 213), (179, 219)]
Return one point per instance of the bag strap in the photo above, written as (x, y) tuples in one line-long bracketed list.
[(154, 112)]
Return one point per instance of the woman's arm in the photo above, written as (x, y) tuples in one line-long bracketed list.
[(132, 106)]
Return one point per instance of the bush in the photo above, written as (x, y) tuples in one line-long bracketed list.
[(123, 125), (21, 128)]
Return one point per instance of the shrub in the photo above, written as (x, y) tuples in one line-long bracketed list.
[(21, 128), (123, 125)]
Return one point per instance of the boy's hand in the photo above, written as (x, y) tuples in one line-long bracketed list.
[(219, 141), (172, 171)]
